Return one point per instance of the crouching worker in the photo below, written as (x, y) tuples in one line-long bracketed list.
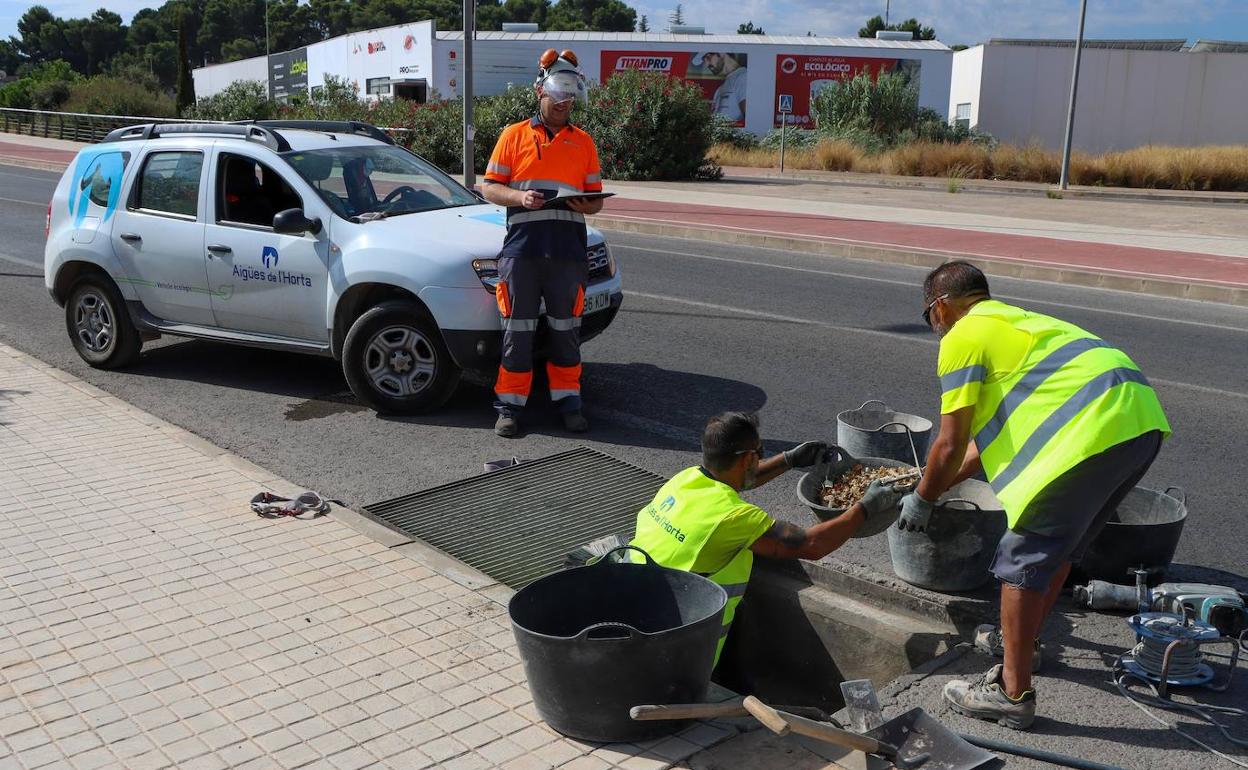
[(699, 523)]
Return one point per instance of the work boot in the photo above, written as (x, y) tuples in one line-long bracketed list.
[(575, 422), (984, 699), (507, 426), (988, 640)]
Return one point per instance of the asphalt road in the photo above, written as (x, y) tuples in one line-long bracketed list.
[(705, 327)]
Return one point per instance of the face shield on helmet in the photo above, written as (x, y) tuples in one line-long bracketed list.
[(563, 86)]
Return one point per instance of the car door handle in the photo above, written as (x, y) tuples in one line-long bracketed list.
[(220, 249), (131, 237)]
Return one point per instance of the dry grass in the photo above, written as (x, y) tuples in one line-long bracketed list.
[(1178, 168)]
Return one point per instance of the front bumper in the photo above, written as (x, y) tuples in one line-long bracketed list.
[(481, 350)]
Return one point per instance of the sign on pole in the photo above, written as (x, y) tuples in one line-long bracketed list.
[(784, 107), (785, 103)]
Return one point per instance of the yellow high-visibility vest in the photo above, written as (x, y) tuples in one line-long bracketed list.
[(682, 528), (1047, 395)]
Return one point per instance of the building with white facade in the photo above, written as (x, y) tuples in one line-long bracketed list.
[(1131, 92), (742, 76)]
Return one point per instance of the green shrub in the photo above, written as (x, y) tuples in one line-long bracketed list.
[(724, 132), (241, 100), (797, 138), (648, 126), (884, 107), (106, 95), (42, 87)]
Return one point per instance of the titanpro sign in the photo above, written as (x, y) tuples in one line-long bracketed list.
[(288, 74)]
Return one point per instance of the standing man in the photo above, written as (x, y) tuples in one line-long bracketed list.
[(543, 255), (1063, 425), (699, 523)]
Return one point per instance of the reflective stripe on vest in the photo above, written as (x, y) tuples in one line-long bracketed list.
[(702, 506), (1072, 396), (544, 215)]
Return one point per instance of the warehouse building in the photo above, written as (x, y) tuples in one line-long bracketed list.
[(1131, 92), (742, 76)]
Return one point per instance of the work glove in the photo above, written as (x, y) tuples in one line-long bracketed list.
[(881, 500), (806, 454), (915, 513)]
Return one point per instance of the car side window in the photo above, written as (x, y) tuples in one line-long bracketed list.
[(169, 183), (251, 193)]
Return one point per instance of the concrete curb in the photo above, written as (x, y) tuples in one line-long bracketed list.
[(1227, 295)]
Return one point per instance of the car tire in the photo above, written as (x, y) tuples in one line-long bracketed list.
[(395, 360), (99, 325)]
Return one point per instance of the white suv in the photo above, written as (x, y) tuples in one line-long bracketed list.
[(313, 236)]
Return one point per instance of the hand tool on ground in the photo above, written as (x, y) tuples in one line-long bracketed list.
[(725, 710)]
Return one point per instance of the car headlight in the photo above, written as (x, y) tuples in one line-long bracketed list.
[(601, 261), (487, 271)]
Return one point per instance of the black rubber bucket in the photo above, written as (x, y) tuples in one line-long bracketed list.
[(597, 640), (810, 486), (956, 551), (1144, 532)]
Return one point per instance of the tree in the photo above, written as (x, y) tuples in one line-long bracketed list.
[(10, 56), (677, 17), (596, 15), (103, 37), (643, 24), (748, 28), (186, 84), (917, 30)]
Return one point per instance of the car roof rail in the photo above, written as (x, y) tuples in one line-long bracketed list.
[(357, 127), (252, 133)]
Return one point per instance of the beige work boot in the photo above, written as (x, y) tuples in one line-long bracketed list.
[(988, 640), (984, 699), (507, 426)]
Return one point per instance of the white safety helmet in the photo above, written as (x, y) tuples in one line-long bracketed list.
[(559, 77)]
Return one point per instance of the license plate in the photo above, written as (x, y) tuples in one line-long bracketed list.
[(596, 302)]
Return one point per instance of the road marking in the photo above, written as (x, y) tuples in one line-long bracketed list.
[(26, 176), (28, 203), (27, 262), (923, 340), (911, 284)]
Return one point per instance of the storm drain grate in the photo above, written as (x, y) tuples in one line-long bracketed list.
[(517, 524)]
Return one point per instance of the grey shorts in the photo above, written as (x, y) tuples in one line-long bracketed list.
[(1063, 520)]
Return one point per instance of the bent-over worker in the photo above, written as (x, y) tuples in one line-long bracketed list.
[(1063, 425), (543, 257), (699, 523)]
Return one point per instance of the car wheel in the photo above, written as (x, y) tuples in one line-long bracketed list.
[(395, 360), (99, 325)]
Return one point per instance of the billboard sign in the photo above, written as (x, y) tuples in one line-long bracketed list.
[(722, 76), (804, 76), (288, 74)]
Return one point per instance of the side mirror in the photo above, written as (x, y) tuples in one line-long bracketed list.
[(295, 222)]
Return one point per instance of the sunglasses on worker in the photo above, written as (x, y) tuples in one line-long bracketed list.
[(758, 450), (927, 312)]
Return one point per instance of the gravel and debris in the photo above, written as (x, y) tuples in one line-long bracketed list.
[(849, 489)]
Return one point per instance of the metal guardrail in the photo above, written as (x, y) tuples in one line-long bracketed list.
[(73, 126), (87, 127)]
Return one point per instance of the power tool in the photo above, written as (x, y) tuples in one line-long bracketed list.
[(1222, 607)]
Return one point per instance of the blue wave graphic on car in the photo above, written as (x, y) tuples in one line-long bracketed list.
[(97, 174)]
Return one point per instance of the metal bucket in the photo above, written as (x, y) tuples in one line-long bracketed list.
[(874, 430), (956, 551), (1144, 532), (597, 640), (811, 484)]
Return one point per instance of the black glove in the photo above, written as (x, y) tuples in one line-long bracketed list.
[(806, 454)]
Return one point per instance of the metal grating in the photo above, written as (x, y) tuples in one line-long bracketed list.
[(518, 524)]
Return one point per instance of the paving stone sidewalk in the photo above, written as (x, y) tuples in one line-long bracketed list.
[(150, 620)]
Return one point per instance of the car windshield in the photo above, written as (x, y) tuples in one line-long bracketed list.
[(377, 180)]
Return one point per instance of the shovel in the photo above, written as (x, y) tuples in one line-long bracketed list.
[(910, 741)]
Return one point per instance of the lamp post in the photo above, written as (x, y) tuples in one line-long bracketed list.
[(1064, 182), (470, 23), (266, 28)]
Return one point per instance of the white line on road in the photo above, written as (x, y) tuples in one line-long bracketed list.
[(26, 176), (20, 261), (911, 284), (26, 203), (922, 340)]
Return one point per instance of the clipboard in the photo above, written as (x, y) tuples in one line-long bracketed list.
[(558, 199)]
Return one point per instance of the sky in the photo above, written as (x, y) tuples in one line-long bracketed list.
[(956, 21)]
